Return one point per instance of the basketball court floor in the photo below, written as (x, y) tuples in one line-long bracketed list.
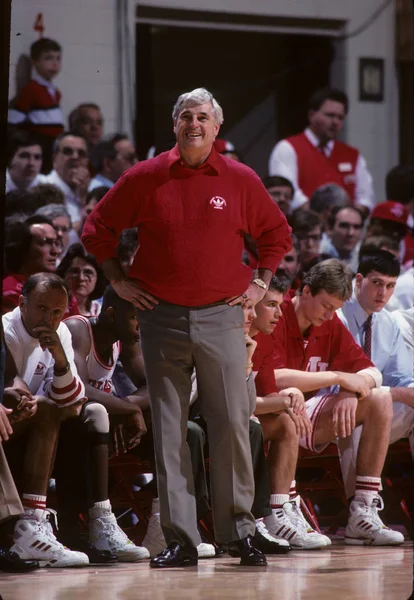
[(342, 572)]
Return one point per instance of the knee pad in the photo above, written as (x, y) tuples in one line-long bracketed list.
[(95, 417)]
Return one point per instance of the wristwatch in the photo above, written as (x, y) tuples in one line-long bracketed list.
[(61, 372), (260, 283)]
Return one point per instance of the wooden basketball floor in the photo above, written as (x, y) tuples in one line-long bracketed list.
[(340, 573)]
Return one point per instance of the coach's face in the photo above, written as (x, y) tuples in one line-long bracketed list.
[(195, 129)]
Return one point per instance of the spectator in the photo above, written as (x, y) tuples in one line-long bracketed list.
[(24, 161), (327, 197), (70, 173), (31, 246), (307, 227), (92, 199), (289, 266), (60, 219), (48, 194), (37, 105), (315, 157), (19, 205), (110, 159), (281, 191), (85, 280), (86, 121), (344, 235), (399, 186)]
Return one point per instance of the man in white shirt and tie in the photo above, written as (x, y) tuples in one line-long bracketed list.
[(378, 332)]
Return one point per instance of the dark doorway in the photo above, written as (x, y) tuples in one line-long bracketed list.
[(262, 81)]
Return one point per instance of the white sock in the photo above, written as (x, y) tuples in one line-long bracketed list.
[(367, 487), (278, 500), (99, 508)]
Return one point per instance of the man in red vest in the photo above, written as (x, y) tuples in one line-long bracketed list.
[(315, 157)]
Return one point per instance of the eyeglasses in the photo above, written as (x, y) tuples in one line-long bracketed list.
[(344, 225), (76, 272), (50, 242), (68, 151)]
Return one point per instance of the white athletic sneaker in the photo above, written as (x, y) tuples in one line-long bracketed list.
[(365, 527), (34, 540), (154, 539), (105, 534), (289, 523)]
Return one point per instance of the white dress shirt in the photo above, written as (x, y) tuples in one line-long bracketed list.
[(388, 348), (11, 186), (283, 162), (99, 181)]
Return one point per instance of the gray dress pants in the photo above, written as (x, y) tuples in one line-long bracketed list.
[(175, 339)]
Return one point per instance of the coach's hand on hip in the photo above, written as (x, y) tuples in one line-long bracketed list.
[(132, 292)]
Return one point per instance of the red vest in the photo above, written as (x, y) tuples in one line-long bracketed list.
[(316, 169)]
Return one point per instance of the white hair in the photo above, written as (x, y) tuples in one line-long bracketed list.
[(195, 98)]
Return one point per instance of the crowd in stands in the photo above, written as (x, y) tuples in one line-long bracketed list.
[(72, 367)]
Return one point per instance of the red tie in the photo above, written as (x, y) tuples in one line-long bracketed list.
[(368, 336)]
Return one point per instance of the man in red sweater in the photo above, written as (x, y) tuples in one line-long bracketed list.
[(192, 207), (313, 350), (315, 156)]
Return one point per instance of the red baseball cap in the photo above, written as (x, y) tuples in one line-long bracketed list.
[(223, 145), (391, 211)]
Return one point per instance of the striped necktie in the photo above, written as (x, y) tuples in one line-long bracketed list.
[(368, 336)]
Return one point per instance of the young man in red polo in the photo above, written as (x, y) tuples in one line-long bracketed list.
[(315, 352)]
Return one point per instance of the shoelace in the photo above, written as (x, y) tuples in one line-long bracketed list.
[(298, 519)]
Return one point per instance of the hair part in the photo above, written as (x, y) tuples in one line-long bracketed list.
[(377, 259), (277, 285), (332, 276), (112, 300), (399, 184), (277, 181), (50, 281), (195, 98), (321, 95), (43, 45), (328, 196)]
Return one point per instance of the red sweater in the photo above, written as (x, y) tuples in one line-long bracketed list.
[(316, 169), (329, 347), (36, 110), (12, 288), (263, 365), (191, 224)]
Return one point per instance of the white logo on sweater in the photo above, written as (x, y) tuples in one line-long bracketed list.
[(218, 202)]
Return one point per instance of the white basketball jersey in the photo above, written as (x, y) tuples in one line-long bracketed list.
[(99, 372)]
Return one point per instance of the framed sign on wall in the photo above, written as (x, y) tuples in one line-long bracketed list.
[(371, 79)]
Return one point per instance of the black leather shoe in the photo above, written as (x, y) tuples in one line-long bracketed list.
[(268, 544), (12, 563), (249, 555), (175, 556)]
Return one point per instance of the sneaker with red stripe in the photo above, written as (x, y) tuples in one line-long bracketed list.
[(289, 524), (34, 540), (365, 527)]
